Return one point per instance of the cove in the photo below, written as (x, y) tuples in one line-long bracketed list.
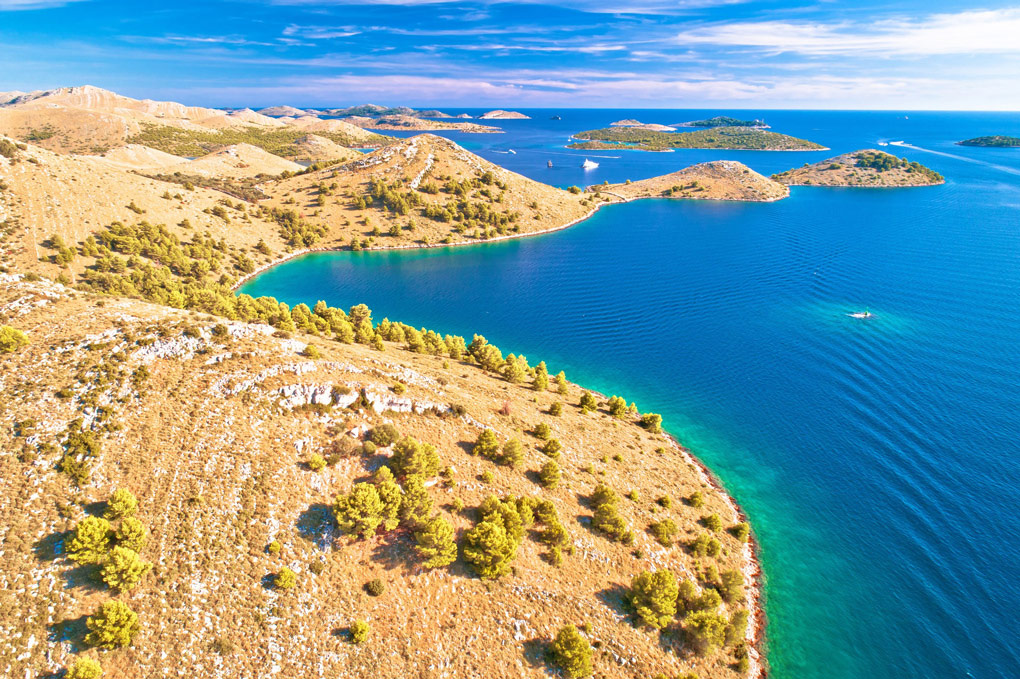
[(876, 459)]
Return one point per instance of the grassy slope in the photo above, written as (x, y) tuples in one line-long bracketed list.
[(744, 138)]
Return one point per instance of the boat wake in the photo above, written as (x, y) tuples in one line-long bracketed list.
[(1004, 168)]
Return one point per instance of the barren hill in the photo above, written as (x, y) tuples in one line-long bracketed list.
[(236, 161), (866, 168), (282, 111), (426, 189), (138, 157), (500, 114), (313, 148), (406, 122), (715, 180), (236, 442)]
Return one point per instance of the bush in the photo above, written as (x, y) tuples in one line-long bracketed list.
[(696, 500), (411, 457), (736, 628), (664, 531), (705, 545), (384, 435), (571, 652), (375, 587), (311, 351), (285, 579), (606, 518), (653, 597), (11, 339), (542, 431), (113, 625), (513, 453), (435, 542), (732, 588), (416, 503), (122, 504), (617, 406), (552, 448), (652, 422), (486, 477), (316, 462), (706, 631), (549, 475), (132, 534), (665, 501), (489, 547), (359, 632), (274, 547), (740, 531), (588, 403), (555, 409), (487, 445), (85, 668), (712, 522), (123, 569), (91, 541), (541, 382), (360, 511)]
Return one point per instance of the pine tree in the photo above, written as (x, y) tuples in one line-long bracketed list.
[(417, 503), (85, 668), (391, 496), (489, 549), (561, 383), (571, 652), (514, 370), (436, 542), (122, 504), (113, 625), (541, 382), (617, 406), (588, 403), (513, 453), (91, 541), (360, 511), (550, 474), (706, 630), (132, 534), (123, 569), (653, 597), (487, 445), (411, 457)]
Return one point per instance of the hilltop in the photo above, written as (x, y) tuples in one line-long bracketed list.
[(236, 439), (866, 168), (724, 121), (995, 140), (423, 190), (313, 148), (638, 125), (408, 122), (716, 180), (500, 114), (729, 138)]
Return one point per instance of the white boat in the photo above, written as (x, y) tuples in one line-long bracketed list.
[(589, 165), (861, 314), (512, 151)]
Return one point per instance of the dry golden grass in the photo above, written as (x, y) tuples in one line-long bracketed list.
[(716, 180), (216, 456), (844, 171)]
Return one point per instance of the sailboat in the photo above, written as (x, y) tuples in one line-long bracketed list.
[(589, 165), (549, 163)]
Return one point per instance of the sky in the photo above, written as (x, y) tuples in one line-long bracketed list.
[(909, 55)]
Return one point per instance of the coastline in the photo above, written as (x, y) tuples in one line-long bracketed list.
[(757, 622)]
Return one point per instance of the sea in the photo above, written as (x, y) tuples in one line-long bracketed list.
[(878, 459)]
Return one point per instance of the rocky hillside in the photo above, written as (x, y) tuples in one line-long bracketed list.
[(867, 168), (716, 180), (406, 122), (242, 539), (423, 190)]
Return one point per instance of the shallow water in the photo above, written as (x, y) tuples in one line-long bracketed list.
[(877, 459)]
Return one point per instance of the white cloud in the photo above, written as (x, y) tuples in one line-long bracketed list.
[(971, 32), (16, 5)]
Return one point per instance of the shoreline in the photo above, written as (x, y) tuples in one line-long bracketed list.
[(757, 623)]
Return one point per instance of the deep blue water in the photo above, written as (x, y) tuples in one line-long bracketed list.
[(878, 460)]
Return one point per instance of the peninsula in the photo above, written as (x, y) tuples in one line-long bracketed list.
[(996, 140), (866, 168), (303, 478), (716, 180), (728, 138)]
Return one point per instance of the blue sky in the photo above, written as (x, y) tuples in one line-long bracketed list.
[(917, 54)]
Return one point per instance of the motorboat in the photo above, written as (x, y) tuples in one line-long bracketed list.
[(589, 165), (861, 314)]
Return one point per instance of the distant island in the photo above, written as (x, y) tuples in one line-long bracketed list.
[(500, 114), (407, 122), (638, 125), (730, 138), (715, 180), (724, 121), (866, 168), (995, 140)]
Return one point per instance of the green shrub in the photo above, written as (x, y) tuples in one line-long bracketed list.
[(487, 445), (653, 597), (435, 542), (113, 625), (705, 545), (11, 339), (491, 544), (606, 519), (664, 531), (122, 504), (375, 587), (285, 579), (665, 501), (384, 435), (555, 408), (316, 462), (359, 632), (696, 500), (706, 631), (549, 475), (360, 511), (85, 668), (736, 629), (652, 422), (513, 453), (131, 533), (274, 547), (588, 403), (91, 541), (617, 406), (571, 652), (541, 381), (392, 497), (416, 504), (712, 522), (124, 569), (552, 448), (740, 531), (732, 588), (542, 431), (411, 457), (486, 477)]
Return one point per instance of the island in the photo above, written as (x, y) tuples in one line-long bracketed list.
[(865, 168), (995, 140), (730, 138), (406, 122), (236, 482), (715, 180), (500, 114), (724, 121), (638, 125)]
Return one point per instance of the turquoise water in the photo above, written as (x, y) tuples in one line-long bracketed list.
[(878, 459)]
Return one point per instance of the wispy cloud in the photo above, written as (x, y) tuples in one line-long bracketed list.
[(971, 32), (16, 5)]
